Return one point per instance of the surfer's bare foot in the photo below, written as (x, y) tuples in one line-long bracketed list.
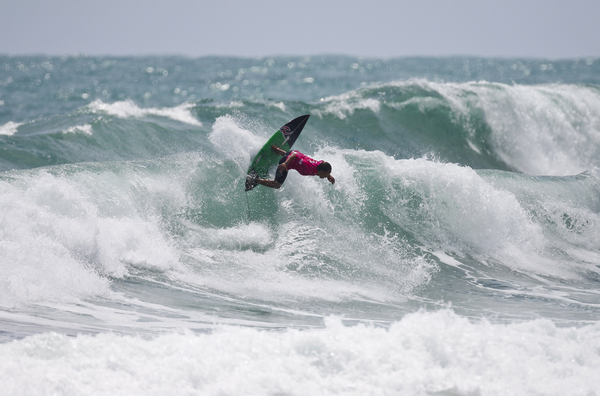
[(277, 150), (251, 182)]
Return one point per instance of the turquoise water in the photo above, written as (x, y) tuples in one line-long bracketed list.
[(456, 254)]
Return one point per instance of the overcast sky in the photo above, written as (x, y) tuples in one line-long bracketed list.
[(372, 28)]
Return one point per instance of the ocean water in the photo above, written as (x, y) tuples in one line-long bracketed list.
[(458, 252)]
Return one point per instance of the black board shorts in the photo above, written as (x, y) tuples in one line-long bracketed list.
[(280, 175)]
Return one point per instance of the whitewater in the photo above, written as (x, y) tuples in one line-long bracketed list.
[(458, 252)]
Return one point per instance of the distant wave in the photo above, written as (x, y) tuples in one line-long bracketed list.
[(551, 129), (85, 129), (127, 108)]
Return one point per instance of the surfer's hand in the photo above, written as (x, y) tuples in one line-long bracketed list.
[(283, 167), (331, 179)]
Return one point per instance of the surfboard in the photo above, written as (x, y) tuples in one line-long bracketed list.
[(284, 138)]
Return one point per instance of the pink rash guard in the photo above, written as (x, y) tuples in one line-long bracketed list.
[(305, 165)]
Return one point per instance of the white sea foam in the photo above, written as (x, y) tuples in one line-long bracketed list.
[(127, 108), (424, 353), (85, 129), (36, 262), (346, 104), (453, 208), (278, 105), (62, 236), (249, 260), (234, 142), (10, 128)]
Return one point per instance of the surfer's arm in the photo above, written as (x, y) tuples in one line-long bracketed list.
[(331, 179), (284, 166), (277, 150)]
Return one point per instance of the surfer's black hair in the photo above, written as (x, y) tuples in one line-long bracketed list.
[(324, 166)]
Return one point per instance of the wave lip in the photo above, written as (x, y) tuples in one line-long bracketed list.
[(541, 130)]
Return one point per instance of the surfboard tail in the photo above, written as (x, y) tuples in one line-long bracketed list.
[(251, 180)]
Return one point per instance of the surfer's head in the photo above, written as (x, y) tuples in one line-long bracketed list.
[(323, 169)]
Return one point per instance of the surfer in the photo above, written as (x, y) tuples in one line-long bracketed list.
[(302, 163)]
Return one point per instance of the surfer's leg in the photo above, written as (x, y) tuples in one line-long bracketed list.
[(277, 150), (268, 183), (280, 176)]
